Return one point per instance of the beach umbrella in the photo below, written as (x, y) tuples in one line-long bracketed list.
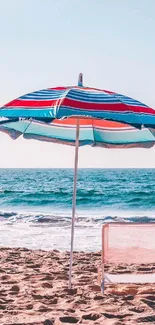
[(61, 102), (80, 116)]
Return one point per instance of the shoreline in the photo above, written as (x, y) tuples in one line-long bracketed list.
[(34, 290)]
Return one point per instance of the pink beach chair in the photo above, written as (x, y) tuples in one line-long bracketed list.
[(133, 247)]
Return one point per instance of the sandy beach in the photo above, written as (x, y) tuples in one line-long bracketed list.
[(34, 290)]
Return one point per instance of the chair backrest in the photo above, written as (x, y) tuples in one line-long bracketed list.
[(128, 243)]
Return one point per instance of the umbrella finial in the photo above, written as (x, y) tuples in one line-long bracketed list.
[(80, 80)]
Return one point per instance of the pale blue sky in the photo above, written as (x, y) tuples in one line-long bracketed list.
[(45, 43)]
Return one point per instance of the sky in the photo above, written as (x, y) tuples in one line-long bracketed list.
[(47, 43)]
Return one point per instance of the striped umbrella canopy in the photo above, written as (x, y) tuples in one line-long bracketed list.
[(61, 102), (80, 116), (94, 132)]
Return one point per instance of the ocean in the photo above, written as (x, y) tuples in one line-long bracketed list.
[(35, 205)]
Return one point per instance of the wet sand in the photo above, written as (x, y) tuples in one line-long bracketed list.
[(34, 290)]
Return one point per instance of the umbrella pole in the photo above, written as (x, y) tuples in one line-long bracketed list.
[(74, 201)]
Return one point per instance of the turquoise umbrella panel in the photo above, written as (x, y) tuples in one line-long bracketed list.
[(92, 132)]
